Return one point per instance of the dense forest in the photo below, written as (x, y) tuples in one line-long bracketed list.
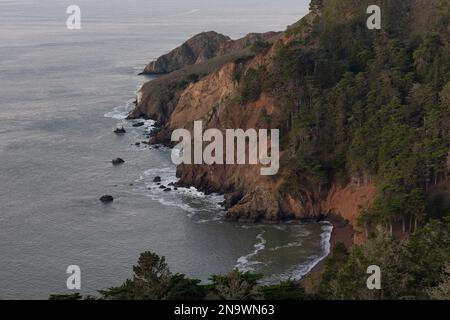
[(367, 103)]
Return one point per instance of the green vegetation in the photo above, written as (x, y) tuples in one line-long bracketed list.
[(251, 86), (286, 290), (413, 269), (152, 280), (184, 83), (260, 47), (66, 297), (363, 103)]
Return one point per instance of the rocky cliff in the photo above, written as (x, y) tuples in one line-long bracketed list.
[(230, 87), (201, 48)]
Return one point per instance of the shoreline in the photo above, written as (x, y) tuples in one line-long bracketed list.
[(343, 232)]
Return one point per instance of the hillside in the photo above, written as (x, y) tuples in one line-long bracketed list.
[(364, 116), (202, 47)]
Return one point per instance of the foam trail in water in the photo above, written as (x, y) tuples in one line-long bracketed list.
[(289, 245), (122, 112), (302, 270), (243, 263), (184, 198)]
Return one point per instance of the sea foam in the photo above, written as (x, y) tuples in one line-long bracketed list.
[(244, 263)]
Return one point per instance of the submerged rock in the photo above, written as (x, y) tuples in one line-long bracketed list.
[(157, 179), (118, 161), (107, 199), (120, 131), (138, 124)]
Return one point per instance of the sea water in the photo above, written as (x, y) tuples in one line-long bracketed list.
[(62, 93)]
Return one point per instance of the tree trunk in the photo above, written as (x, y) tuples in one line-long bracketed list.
[(403, 224), (446, 173)]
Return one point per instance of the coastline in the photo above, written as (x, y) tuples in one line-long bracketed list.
[(343, 232), (151, 127)]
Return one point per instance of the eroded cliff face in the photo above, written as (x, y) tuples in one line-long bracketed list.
[(250, 197)]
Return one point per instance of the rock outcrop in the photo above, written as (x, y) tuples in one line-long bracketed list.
[(120, 131), (201, 48), (118, 161), (106, 199)]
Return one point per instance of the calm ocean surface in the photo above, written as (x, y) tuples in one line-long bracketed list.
[(61, 95)]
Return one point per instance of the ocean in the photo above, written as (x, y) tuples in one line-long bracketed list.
[(62, 93)]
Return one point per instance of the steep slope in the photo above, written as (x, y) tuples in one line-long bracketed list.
[(364, 114)]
